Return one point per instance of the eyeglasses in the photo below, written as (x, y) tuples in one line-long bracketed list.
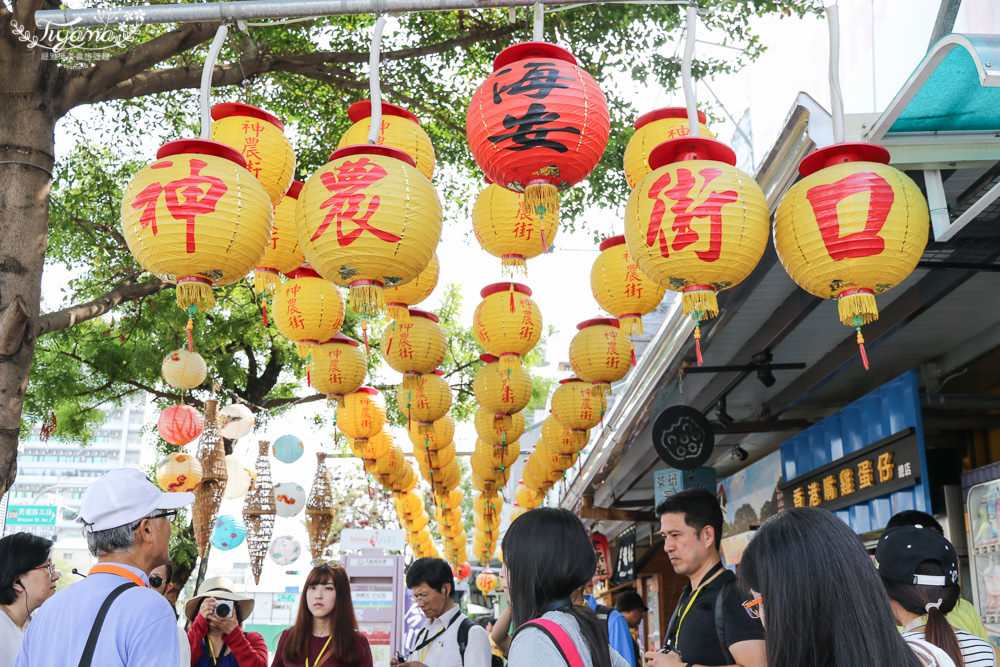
[(166, 514), (753, 607), (423, 597), (155, 581), (50, 566)]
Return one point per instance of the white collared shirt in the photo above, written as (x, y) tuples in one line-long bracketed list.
[(442, 651)]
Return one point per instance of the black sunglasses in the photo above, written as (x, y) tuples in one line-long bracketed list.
[(155, 581), (166, 514)]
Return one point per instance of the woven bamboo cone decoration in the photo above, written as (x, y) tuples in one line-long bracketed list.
[(319, 509), (259, 510), (208, 494)]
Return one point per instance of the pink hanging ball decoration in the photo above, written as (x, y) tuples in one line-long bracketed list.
[(180, 424)]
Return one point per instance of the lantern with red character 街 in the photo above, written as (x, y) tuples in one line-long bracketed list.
[(852, 228), (600, 354), (621, 288), (538, 124), (507, 323)]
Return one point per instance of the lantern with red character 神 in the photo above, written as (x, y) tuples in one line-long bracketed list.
[(600, 354), (696, 224), (507, 323), (853, 227), (538, 124)]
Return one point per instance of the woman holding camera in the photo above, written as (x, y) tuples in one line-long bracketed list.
[(216, 636)]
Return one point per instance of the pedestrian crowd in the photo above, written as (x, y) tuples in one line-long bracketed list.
[(806, 593)]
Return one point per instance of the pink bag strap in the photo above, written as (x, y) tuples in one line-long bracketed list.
[(561, 640)]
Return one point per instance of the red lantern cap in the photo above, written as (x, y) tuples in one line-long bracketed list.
[(294, 189), (230, 109), (504, 287), (201, 147), (841, 153), (666, 112), (371, 391), (568, 380), (526, 50), (372, 149), (611, 242), (304, 271), (363, 109), (598, 321), (423, 313), (691, 148), (438, 372), (489, 358), (342, 339)]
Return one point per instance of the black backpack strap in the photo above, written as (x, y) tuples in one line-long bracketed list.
[(95, 632), (720, 622), (463, 635), (603, 611)]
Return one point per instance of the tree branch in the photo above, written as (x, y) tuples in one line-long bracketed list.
[(278, 402), (126, 290), (132, 383)]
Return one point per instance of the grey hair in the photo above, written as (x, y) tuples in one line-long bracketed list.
[(113, 540)]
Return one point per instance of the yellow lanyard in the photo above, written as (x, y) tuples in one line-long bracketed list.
[(319, 656), (211, 651), (677, 634)]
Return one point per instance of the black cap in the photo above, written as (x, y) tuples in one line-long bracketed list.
[(901, 550), (629, 601)]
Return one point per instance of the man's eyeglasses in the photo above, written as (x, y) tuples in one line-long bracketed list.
[(155, 581), (165, 514), (753, 607), (47, 566), (423, 597)]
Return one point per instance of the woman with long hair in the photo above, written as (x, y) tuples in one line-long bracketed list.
[(325, 631), (919, 569), (819, 597), (548, 556), (27, 579)]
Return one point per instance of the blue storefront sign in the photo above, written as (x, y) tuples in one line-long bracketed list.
[(669, 481)]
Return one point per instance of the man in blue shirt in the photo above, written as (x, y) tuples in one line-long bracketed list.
[(619, 637), (127, 525)]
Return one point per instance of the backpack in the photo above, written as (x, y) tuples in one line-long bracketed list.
[(463, 641)]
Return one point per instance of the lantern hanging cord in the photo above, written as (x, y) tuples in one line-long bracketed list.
[(836, 97), (538, 27), (206, 80), (690, 95), (375, 91)]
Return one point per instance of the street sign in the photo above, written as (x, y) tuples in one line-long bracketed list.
[(31, 515)]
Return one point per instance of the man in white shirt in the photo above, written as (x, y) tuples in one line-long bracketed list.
[(439, 643)]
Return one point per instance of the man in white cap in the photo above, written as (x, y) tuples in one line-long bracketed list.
[(126, 521)]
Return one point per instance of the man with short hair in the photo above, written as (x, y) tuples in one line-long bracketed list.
[(709, 625), (126, 522), (631, 606), (440, 642)]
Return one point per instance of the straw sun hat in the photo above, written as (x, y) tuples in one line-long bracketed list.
[(220, 588)]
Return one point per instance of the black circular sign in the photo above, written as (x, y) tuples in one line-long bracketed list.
[(683, 438)]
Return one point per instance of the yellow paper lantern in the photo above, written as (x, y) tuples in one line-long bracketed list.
[(414, 347), (368, 219), (416, 522), (183, 369), (408, 504), (501, 391), (260, 138), (308, 309), (418, 539), (444, 479), (405, 481), (518, 512), (486, 524), (539, 476), (484, 545), (496, 431), (553, 458), (398, 300), (487, 504), (373, 447), (506, 229), (651, 130), (489, 480), (198, 217), (434, 458), (852, 228), (399, 129), (362, 414), (600, 354), (507, 323), (578, 407), (337, 367), (427, 403), (178, 472), (441, 435), (696, 224), (527, 497), (558, 437), (283, 254), (497, 455), (621, 288), (390, 466), (487, 582), (451, 500)]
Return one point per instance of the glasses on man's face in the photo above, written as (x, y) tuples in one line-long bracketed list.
[(422, 598), (50, 566), (165, 514), (155, 581), (753, 607)]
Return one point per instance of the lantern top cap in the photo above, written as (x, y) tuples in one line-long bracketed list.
[(414, 312), (201, 147), (611, 242), (489, 358), (666, 112), (372, 149), (526, 50), (598, 321), (438, 372), (230, 109), (371, 391), (294, 189), (841, 153), (340, 338), (363, 109), (304, 271), (691, 148), (504, 287), (569, 380)]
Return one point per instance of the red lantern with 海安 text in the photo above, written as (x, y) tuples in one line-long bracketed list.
[(538, 124), (853, 227), (696, 224)]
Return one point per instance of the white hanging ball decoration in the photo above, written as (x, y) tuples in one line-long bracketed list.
[(183, 369), (239, 479), (235, 421), (289, 498)]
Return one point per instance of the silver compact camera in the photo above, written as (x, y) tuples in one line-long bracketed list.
[(223, 608)]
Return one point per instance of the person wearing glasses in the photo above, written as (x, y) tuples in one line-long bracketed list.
[(814, 588), (126, 520), (27, 579), (449, 639), (325, 633), (159, 581)]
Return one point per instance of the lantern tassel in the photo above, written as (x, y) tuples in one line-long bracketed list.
[(541, 198), (510, 362), (510, 290), (364, 329), (309, 362), (545, 246), (513, 265), (263, 309), (632, 355), (195, 292), (700, 302), (630, 325), (192, 310), (697, 343), (861, 347), (398, 311), (857, 308), (411, 381), (265, 281), (367, 298), (502, 423)]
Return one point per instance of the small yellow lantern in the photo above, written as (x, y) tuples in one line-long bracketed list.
[(428, 403), (398, 300), (178, 472), (434, 459), (489, 480), (496, 455), (414, 347), (408, 504), (183, 369), (527, 497), (486, 582), (362, 414), (651, 130), (373, 447), (260, 137), (621, 288), (496, 431), (507, 323), (441, 434), (308, 309), (600, 354), (399, 129), (487, 504), (506, 229), (404, 482), (484, 545), (416, 522), (501, 391), (451, 500), (337, 367), (283, 254), (553, 458), (559, 438), (578, 407), (368, 219)]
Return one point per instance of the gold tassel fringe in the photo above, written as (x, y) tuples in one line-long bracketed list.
[(265, 281), (411, 381), (579, 438), (195, 294), (701, 301), (502, 423), (305, 350), (367, 300), (541, 198), (859, 304), (602, 388), (510, 363), (399, 313), (513, 265), (630, 325)]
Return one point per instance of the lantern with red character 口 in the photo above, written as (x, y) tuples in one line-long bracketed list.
[(538, 124)]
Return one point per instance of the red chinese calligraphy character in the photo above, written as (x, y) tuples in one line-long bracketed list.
[(824, 200), (685, 213), (146, 200), (347, 185), (186, 199), (253, 128)]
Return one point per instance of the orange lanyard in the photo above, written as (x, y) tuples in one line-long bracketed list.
[(120, 571)]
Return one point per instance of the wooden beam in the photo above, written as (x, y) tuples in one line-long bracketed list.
[(588, 511)]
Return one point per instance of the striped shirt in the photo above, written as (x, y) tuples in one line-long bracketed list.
[(975, 651)]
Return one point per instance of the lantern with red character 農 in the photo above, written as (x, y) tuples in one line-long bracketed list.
[(507, 322), (651, 130), (538, 124), (621, 288), (852, 228), (600, 354)]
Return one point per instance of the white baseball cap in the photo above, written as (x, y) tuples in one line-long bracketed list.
[(123, 496)]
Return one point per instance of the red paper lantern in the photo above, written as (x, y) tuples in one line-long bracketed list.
[(538, 124), (180, 424), (603, 552)]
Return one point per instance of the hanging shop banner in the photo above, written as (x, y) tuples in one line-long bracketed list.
[(625, 565), (682, 437), (669, 481)]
